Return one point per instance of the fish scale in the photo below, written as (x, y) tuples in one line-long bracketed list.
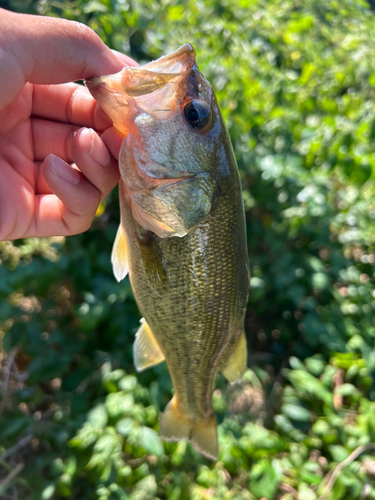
[(173, 324), (182, 234)]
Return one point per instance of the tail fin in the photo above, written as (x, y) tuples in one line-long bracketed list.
[(202, 433)]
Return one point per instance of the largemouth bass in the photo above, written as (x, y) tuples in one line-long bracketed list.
[(182, 234)]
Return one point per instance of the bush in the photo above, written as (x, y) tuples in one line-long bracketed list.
[(295, 81)]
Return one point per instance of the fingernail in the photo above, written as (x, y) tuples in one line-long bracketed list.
[(63, 170), (98, 150)]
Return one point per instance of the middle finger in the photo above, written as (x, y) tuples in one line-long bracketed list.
[(52, 138)]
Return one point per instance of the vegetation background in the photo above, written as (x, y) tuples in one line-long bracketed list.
[(296, 83)]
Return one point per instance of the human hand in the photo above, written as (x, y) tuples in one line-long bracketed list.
[(41, 132)]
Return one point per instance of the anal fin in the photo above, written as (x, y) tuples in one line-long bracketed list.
[(202, 433), (235, 366), (120, 255), (146, 351)]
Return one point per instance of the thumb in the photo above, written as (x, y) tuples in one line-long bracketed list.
[(48, 50)]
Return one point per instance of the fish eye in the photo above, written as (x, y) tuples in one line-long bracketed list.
[(197, 114)]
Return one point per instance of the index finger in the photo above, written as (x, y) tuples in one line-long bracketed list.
[(47, 50), (68, 103), (72, 103)]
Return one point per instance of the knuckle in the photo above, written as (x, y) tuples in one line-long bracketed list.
[(77, 225), (80, 30), (70, 144), (70, 105), (85, 224)]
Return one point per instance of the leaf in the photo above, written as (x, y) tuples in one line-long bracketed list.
[(307, 72), (315, 365), (98, 417), (145, 489), (207, 477), (372, 79), (107, 445), (94, 6), (128, 383), (347, 390), (305, 492), (320, 280), (296, 412), (118, 404), (125, 426), (71, 465), (338, 452), (64, 485), (151, 441), (264, 480), (48, 492)]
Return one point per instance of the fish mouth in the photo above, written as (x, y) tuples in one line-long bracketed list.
[(139, 81), (140, 172), (151, 92), (156, 88), (167, 195), (134, 83), (183, 59)]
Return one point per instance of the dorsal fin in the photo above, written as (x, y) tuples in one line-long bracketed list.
[(120, 255)]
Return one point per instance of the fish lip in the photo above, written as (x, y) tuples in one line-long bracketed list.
[(176, 64), (90, 83), (184, 55), (140, 172)]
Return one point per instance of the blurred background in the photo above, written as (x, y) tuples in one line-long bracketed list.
[(295, 80)]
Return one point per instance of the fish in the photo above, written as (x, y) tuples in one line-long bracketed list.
[(182, 235)]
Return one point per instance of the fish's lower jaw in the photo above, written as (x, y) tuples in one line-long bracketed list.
[(202, 433)]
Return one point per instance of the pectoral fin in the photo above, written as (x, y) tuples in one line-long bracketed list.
[(236, 365), (146, 351), (150, 223), (120, 255)]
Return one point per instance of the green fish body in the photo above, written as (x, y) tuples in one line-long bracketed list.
[(182, 235)]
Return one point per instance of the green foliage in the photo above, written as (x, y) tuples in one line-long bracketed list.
[(295, 81)]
